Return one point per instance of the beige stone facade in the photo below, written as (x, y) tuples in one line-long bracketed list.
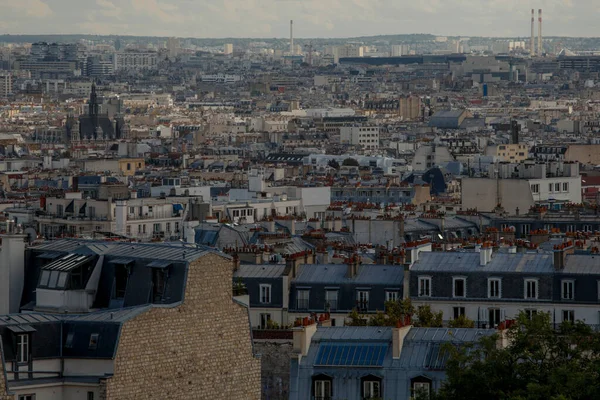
[(200, 349), (3, 393)]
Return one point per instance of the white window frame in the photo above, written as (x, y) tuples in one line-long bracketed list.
[(323, 389), (267, 318), (332, 295), (365, 296), (567, 289), (27, 397), (565, 186), (265, 294), (299, 299), (499, 288), (525, 229), (391, 295), (422, 281), (371, 390), (454, 280), (459, 308), (535, 188), (571, 313), (494, 310), (424, 386), (536, 282), (23, 353)]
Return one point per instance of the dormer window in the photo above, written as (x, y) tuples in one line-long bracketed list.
[(23, 348), (68, 272), (94, 338)]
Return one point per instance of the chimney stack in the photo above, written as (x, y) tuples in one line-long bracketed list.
[(540, 49), (532, 44), (291, 37)]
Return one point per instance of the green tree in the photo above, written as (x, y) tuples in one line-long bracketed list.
[(334, 164), (395, 310), (357, 319), (462, 322), (350, 162), (427, 318), (529, 361)]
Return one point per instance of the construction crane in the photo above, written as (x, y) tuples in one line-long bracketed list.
[(309, 47)]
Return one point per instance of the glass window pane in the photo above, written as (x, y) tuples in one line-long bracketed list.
[(62, 279), (53, 279), (45, 277)]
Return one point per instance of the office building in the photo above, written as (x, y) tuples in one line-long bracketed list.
[(5, 84), (135, 60)]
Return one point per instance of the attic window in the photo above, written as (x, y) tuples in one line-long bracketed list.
[(94, 337)]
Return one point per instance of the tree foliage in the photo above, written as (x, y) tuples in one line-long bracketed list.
[(333, 164), (462, 322), (427, 318), (535, 362), (350, 162), (399, 310)]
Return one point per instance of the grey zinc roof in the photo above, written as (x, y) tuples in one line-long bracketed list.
[(423, 347), (118, 315), (538, 263), (29, 318), (160, 251), (411, 225), (353, 333), (259, 271), (445, 334), (582, 264), (336, 273)]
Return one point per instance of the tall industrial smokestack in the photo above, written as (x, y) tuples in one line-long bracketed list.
[(540, 48), (291, 36), (532, 44)]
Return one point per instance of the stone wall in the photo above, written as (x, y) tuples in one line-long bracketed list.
[(201, 349), (275, 368), (3, 387)]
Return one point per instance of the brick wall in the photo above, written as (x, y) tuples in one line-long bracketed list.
[(199, 350)]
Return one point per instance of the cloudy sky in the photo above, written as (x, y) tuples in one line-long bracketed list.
[(312, 18)]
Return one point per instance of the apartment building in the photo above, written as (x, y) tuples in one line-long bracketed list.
[(365, 136), (98, 311), (535, 182), (5, 84), (133, 60), (142, 219), (489, 287)]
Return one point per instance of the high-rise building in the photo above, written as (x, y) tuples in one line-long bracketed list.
[(173, 47), (228, 48), (399, 50), (5, 84)]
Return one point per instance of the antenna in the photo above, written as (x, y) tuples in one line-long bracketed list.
[(291, 36)]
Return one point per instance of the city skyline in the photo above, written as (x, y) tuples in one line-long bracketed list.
[(270, 18)]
